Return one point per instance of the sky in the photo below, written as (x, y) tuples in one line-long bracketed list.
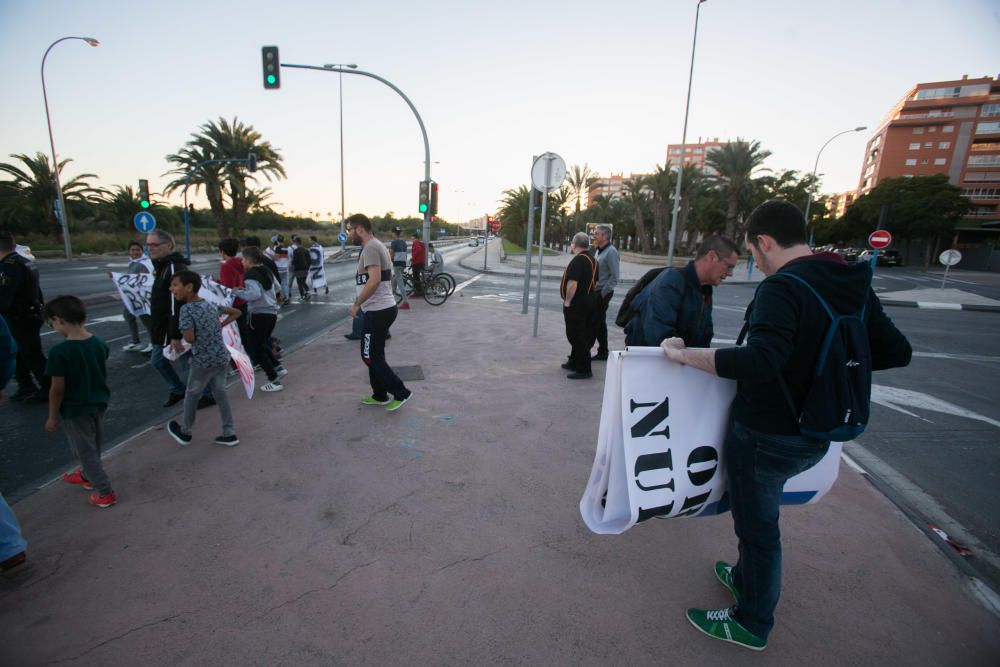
[(598, 83)]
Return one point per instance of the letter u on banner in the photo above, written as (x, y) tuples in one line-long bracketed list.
[(659, 446)]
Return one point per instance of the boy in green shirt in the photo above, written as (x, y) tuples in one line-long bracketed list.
[(79, 394)]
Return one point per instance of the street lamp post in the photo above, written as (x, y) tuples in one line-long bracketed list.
[(816, 166), (341, 86), (680, 165), (63, 213)]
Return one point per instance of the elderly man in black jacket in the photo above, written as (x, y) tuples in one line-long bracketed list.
[(775, 371)]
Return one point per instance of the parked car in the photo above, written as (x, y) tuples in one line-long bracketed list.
[(850, 255), (474, 243), (889, 258)]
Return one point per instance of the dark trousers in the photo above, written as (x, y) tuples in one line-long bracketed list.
[(418, 270), (300, 280), (581, 329), (261, 326), (758, 466), (30, 359), (383, 379), (602, 301), (85, 434)]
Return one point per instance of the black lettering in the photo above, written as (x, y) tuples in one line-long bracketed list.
[(702, 464), (658, 414), (694, 504), (662, 510), (658, 461)]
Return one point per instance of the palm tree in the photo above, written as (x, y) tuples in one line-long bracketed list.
[(513, 212), (580, 179), (692, 184), (661, 183), (27, 201), (558, 200), (734, 165), (209, 176), (636, 198)]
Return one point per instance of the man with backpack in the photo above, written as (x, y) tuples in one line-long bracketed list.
[(678, 302), (814, 331)]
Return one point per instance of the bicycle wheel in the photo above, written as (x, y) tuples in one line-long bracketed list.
[(436, 291), (448, 278)]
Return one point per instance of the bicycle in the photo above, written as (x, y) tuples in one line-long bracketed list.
[(434, 288)]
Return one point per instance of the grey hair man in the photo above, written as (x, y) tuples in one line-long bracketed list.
[(608, 270), (579, 310)]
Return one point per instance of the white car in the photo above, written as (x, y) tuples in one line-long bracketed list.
[(474, 243)]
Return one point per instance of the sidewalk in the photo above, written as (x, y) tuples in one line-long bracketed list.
[(446, 533)]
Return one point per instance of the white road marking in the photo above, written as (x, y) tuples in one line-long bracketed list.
[(461, 286), (851, 463), (895, 399), (939, 306)]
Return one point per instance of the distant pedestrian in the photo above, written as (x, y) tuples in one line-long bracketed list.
[(138, 263), (202, 330), (260, 291), (231, 276), (378, 307), (436, 259), (678, 302), (278, 251), (418, 261), (164, 311), (777, 376), (608, 263), (80, 395), (579, 309), (399, 254), (21, 305), (300, 266), (13, 547)]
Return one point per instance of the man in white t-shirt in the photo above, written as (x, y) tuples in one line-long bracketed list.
[(378, 307)]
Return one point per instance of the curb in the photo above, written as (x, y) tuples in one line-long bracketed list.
[(621, 281), (934, 305)]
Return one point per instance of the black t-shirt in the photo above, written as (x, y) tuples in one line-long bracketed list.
[(582, 269)]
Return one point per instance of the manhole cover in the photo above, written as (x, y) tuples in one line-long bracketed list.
[(406, 373)]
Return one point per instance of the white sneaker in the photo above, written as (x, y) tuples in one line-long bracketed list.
[(281, 371), (272, 386), (132, 347), (147, 349)]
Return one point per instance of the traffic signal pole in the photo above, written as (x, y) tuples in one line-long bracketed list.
[(426, 232)]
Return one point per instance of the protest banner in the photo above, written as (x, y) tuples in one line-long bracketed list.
[(659, 446), (220, 295), (317, 272), (134, 289)]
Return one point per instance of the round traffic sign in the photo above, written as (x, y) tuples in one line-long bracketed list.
[(879, 239), (342, 237), (144, 222), (548, 172), (950, 257)]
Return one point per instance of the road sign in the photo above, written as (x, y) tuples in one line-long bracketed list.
[(342, 237), (879, 239), (950, 257), (144, 222), (548, 172)]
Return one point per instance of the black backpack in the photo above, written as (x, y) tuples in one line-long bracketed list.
[(625, 312), (837, 404)]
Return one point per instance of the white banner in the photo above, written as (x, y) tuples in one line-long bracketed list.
[(659, 446), (134, 289), (317, 272)]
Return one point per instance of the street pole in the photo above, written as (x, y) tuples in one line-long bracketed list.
[(680, 166), (63, 213), (341, 87), (527, 243), (816, 166), (541, 237)]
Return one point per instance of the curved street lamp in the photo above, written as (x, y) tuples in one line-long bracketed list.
[(816, 166), (63, 213), (341, 85)]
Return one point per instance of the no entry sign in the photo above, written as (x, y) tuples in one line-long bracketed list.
[(879, 239)]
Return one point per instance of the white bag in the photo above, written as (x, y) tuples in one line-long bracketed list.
[(659, 446)]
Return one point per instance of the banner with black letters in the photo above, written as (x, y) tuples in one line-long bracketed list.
[(659, 446), (317, 272)]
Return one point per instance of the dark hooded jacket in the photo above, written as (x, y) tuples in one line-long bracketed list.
[(163, 309), (786, 325)]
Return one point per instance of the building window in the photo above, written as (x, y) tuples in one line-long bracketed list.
[(981, 193), (915, 146), (928, 144), (918, 130), (948, 128), (984, 160), (932, 129), (982, 177), (992, 127), (990, 110), (911, 162), (992, 146), (944, 145), (924, 161), (907, 175), (940, 160)]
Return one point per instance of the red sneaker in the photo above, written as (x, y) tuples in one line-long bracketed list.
[(106, 500), (76, 477)]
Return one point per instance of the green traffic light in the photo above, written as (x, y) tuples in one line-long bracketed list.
[(271, 79), (423, 208), (144, 203)]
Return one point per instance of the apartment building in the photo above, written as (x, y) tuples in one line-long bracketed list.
[(693, 153), (836, 204)]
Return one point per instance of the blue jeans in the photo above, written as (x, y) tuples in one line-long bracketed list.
[(758, 466), (165, 368), (11, 542)]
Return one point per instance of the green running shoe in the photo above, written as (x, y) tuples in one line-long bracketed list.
[(371, 400), (724, 571), (398, 403), (720, 624)]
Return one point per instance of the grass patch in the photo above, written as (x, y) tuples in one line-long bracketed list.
[(514, 249)]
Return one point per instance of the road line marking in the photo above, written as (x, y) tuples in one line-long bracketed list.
[(936, 305), (461, 286), (851, 463)]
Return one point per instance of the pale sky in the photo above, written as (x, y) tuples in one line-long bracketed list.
[(596, 82)]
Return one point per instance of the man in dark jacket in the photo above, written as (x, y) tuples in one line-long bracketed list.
[(21, 305), (786, 325), (678, 302), (163, 315), (579, 308), (300, 262)]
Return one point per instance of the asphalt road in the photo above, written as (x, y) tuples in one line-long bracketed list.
[(941, 431)]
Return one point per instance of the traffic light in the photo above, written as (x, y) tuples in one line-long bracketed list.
[(434, 199), (143, 193), (251, 163), (272, 67), (425, 196)]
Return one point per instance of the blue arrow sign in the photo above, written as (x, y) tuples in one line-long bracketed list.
[(342, 237), (144, 222)]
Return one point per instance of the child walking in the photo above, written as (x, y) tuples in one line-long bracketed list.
[(79, 394), (200, 326)]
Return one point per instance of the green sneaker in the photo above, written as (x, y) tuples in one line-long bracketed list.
[(398, 403), (719, 624), (371, 400), (724, 571)]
